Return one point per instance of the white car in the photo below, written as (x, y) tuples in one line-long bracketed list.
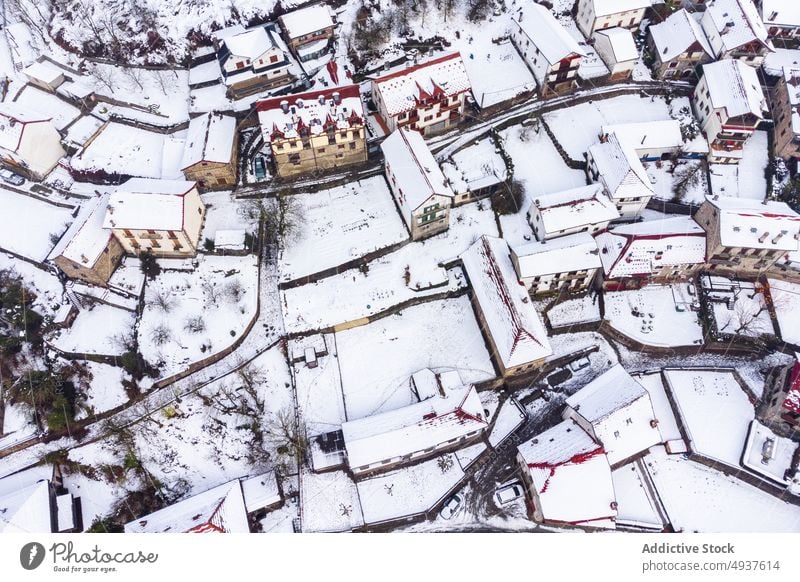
[(452, 506), (12, 178), (508, 493)]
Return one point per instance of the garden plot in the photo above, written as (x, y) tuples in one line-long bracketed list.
[(715, 411), (319, 390), (656, 315), (330, 502), (44, 103), (106, 390), (742, 312), (786, 302), (122, 149), (584, 309), (441, 335), (189, 316), (342, 224), (684, 182), (225, 212), (30, 227), (745, 179), (700, 499), (44, 284), (101, 329)]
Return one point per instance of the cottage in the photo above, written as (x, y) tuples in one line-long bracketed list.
[(619, 170), (429, 96), (418, 186), (616, 411), (449, 420), (679, 46), (309, 30), (567, 478), (654, 250), (569, 263), (617, 50), (476, 172), (786, 114), (510, 324), (735, 31), (730, 104), (583, 209), (36, 501), (656, 140), (161, 216), (600, 14), (209, 156), (44, 75), (252, 60), (29, 142), (87, 251), (548, 49), (781, 18), (314, 131), (746, 236)]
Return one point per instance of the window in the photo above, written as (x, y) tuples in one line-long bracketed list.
[(172, 234), (341, 146), (273, 59), (352, 145), (294, 159), (154, 244), (177, 246), (199, 210), (128, 233)]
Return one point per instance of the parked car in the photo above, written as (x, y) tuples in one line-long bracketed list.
[(260, 168), (452, 506), (11, 178), (508, 492), (579, 364)]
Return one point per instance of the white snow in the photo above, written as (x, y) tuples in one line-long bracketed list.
[(509, 418), (745, 179), (574, 311), (786, 303), (27, 224), (94, 331), (330, 502), (635, 506)]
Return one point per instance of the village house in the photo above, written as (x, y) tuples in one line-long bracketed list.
[(735, 31), (786, 114), (418, 186), (87, 251), (429, 96), (595, 15), (35, 501), (651, 251), (309, 30), (781, 18), (209, 156), (656, 140), (745, 236), (223, 509), (44, 75), (449, 420), (616, 411), (729, 104), (475, 175), (567, 479), (618, 51), (678, 46), (569, 262), (164, 217), (314, 131), (29, 142), (781, 404), (510, 324), (550, 52), (583, 209), (618, 168)]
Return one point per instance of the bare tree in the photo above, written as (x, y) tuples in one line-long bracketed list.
[(162, 301), (285, 433), (160, 334), (195, 324), (211, 291), (234, 291)]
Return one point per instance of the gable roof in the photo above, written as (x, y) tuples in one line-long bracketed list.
[(13, 119), (575, 207), (620, 169), (249, 44), (744, 223), (26, 510), (148, 204), (304, 21), (623, 47), (736, 22), (210, 139), (734, 86), (85, 239), (676, 34), (546, 33), (511, 319), (575, 252), (780, 13)]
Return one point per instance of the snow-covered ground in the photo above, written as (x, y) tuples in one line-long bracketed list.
[(106, 390), (584, 309), (319, 390), (786, 302), (330, 502), (748, 314), (745, 179), (30, 227), (508, 419), (666, 175), (98, 330), (123, 149), (46, 285)]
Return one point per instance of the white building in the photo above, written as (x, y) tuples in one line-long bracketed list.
[(678, 45), (617, 50), (599, 14), (653, 140), (419, 188), (583, 209), (550, 51), (617, 412), (252, 58), (569, 261), (567, 478), (309, 30), (781, 18), (29, 142), (735, 31), (622, 174)]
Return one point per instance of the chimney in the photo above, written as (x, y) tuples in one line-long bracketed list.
[(322, 99), (763, 237), (777, 237), (337, 98), (285, 106), (299, 103)]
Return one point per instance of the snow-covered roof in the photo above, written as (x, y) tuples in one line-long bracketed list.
[(574, 208), (249, 44), (233, 239), (511, 319), (13, 118), (663, 134), (676, 34), (640, 248), (736, 22), (780, 12), (26, 510), (218, 510), (621, 42), (734, 86), (620, 169), (209, 139), (747, 223), (792, 78), (416, 170), (44, 71), (425, 383), (571, 475), (546, 33), (260, 491), (620, 412), (405, 87), (607, 7), (85, 239), (575, 252), (148, 204), (413, 428), (313, 112), (307, 20)]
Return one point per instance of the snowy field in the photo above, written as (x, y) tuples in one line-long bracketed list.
[(786, 302), (30, 227), (319, 390), (441, 335), (44, 103), (106, 390), (192, 315), (574, 311), (715, 410), (745, 179), (651, 315), (98, 330), (123, 150), (330, 502), (342, 224), (46, 285)]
